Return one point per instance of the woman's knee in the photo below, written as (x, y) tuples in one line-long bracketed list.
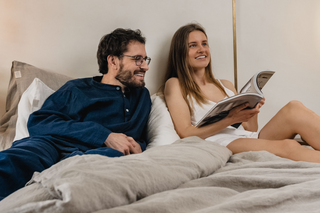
[(289, 148), (292, 110), (294, 105)]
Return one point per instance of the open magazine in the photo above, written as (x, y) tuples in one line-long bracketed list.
[(251, 93)]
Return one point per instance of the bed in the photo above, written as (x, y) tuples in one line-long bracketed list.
[(172, 175)]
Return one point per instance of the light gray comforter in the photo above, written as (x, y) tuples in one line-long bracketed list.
[(191, 175)]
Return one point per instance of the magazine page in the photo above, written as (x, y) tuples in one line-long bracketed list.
[(250, 93), (222, 108), (257, 82), (263, 78), (248, 87)]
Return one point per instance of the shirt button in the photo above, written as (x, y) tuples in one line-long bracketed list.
[(117, 88), (124, 95), (127, 110)]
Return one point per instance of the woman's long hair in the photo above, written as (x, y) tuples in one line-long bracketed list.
[(179, 67)]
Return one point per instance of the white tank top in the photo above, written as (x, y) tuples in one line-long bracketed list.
[(228, 134), (200, 111)]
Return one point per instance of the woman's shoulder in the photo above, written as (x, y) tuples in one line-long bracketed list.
[(228, 84), (172, 85), (172, 80)]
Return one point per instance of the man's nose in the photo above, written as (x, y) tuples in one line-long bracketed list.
[(144, 65)]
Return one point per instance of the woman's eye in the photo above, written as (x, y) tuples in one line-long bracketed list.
[(192, 45)]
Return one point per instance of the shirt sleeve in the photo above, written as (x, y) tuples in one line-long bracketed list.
[(143, 140), (59, 116)]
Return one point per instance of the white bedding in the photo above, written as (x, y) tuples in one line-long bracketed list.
[(93, 182), (191, 175)]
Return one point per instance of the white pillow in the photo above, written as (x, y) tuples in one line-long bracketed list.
[(31, 100), (160, 130)]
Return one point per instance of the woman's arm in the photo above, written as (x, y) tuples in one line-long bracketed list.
[(181, 118)]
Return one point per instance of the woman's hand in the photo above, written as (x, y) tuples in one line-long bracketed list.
[(252, 124), (241, 114), (261, 103)]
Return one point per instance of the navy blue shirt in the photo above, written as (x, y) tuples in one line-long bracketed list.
[(83, 113)]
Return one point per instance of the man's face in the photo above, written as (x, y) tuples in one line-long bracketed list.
[(129, 74)]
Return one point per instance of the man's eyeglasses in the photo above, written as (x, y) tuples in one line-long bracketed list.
[(139, 59)]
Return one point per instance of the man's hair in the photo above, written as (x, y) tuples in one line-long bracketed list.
[(115, 44)]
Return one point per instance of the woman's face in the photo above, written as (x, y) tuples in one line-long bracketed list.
[(199, 53)]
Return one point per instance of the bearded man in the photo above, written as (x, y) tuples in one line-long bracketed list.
[(104, 115)]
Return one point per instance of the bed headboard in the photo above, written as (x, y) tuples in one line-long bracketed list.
[(62, 37)]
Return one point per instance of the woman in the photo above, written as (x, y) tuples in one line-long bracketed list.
[(191, 90)]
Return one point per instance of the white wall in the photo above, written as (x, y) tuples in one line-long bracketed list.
[(281, 35), (63, 36)]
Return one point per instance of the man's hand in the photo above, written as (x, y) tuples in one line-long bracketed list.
[(121, 142)]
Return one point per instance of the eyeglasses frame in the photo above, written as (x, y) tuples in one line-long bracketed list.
[(146, 59)]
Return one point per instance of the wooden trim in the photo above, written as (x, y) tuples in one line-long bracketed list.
[(235, 44)]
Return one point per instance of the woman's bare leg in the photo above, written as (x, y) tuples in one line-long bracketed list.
[(292, 119), (287, 148)]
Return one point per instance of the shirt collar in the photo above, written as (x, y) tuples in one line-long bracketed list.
[(96, 81)]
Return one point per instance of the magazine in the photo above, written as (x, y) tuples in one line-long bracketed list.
[(250, 93)]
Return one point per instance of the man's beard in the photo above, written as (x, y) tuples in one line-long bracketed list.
[(127, 78)]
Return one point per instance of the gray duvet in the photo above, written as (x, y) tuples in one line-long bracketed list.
[(191, 175)]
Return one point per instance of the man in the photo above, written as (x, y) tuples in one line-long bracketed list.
[(103, 115)]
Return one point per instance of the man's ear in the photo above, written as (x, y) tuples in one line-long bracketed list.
[(113, 61)]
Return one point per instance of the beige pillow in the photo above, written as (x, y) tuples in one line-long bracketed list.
[(22, 75)]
